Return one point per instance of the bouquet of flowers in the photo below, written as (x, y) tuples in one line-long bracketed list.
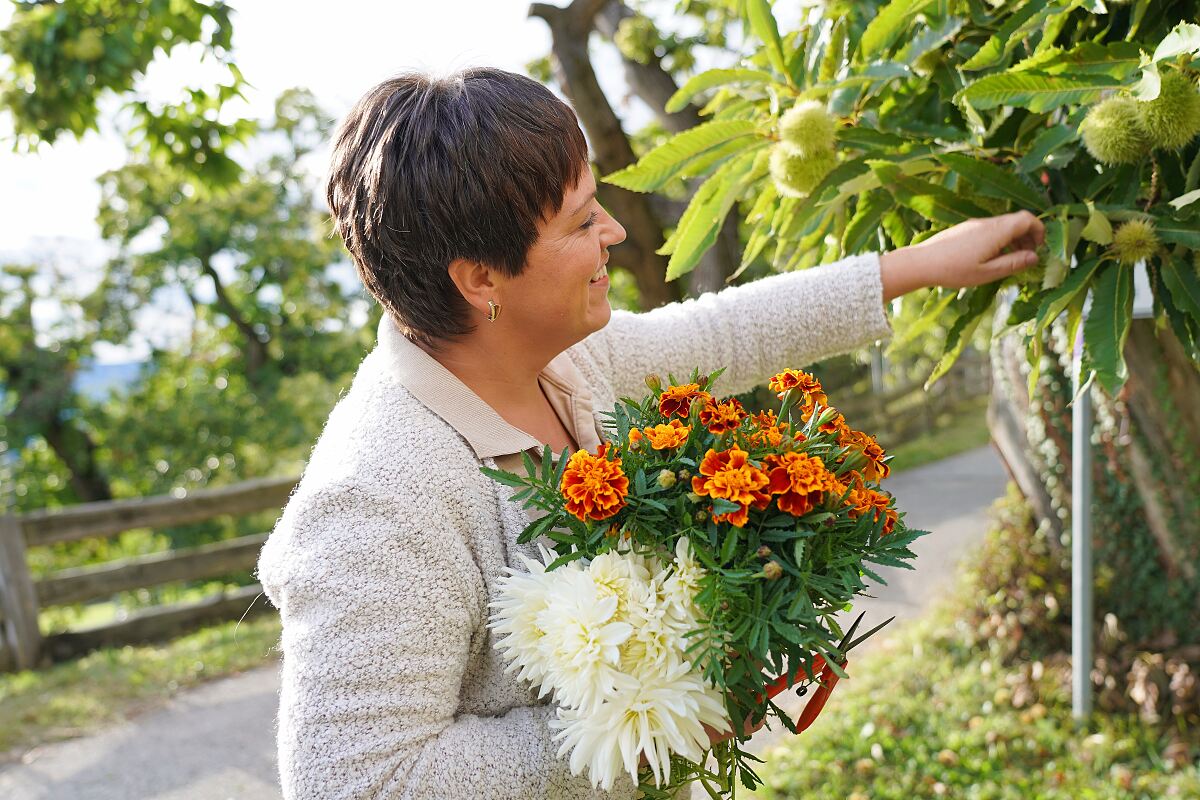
[(699, 560)]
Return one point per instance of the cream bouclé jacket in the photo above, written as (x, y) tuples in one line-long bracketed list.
[(387, 554)]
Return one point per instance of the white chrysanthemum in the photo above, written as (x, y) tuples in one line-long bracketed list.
[(683, 582), (523, 595), (664, 713), (581, 640), (616, 574), (657, 642)]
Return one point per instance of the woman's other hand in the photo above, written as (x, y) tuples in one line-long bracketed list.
[(971, 253)]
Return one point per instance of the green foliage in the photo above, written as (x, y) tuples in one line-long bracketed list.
[(931, 715), (990, 122), (66, 57)]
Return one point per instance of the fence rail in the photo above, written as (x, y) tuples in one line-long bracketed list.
[(22, 645)]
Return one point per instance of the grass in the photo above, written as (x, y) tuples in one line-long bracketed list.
[(78, 697), (926, 716), (964, 429)]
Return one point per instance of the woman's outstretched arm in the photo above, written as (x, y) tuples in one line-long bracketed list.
[(793, 319)]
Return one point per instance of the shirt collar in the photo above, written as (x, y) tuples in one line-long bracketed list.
[(488, 434)]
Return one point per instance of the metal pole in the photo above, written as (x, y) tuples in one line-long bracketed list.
[(1081, 547)]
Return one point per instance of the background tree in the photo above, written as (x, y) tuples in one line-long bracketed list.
[(875, 125)]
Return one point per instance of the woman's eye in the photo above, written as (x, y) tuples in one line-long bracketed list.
[(591, 220)]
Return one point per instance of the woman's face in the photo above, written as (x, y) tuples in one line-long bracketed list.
[(555, 298)]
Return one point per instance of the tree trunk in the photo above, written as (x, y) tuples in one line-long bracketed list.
[(256, 348), (76, 449), (654, 85), (570, 28)]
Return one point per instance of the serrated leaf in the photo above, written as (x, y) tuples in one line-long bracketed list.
[(660, 165), (930, 39), (1117, 60), (1047, 142), (1183, 287), (864, 225), (1107, 326), (1098, 229), (979, 300), (1007, 35), (711, 78), (994, 181), (1064, 294), (704, 216), (762, 22), (1036, 91), (1176, 232), (887, 25), (934, 202)]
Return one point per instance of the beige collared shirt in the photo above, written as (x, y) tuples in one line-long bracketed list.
[(488, 433)]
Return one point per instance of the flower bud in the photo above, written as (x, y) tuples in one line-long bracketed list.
[(666, 479), (654, 382), (724, 605), (827, 414), (701, 516), (684, 474), (763, 552), (772, 570)]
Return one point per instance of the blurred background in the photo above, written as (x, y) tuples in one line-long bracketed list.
[(179, 319)]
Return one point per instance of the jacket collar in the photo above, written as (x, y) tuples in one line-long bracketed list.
[(488, 434)]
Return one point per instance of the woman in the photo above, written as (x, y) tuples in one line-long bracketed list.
[(468, 207)]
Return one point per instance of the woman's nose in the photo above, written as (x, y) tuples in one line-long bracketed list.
[(616, 230)]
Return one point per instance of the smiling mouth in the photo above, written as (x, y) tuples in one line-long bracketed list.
[(601, 274)]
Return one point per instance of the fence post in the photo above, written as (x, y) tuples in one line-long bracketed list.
[(17, 596)]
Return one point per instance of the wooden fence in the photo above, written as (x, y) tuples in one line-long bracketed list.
[(22, 644), (908, 411)]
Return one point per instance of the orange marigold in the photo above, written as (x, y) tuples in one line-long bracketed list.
[(769, 431), (664, 437), (875, 469), (863, 500), (635, 437), (594, 487), (678, 399), (806, 382), (722, 417), (728, 476), (800, 481)]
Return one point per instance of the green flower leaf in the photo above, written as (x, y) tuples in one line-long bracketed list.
[(1107, 326), (891, 20), (994, 181), (660, 165), (714, 77), (1036, 91)]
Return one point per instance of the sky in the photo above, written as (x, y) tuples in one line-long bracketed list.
[(338, 50)]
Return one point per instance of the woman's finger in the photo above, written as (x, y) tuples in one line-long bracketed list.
[(1005, 265)]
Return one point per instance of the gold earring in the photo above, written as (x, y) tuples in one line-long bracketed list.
[(493, 311)]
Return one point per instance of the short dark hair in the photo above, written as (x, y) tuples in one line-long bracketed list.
[(425, 170)]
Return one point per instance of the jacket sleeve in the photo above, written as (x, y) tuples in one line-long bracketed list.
[(754, 330), (381, 606)]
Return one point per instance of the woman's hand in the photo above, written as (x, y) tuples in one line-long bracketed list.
[(969, 254)]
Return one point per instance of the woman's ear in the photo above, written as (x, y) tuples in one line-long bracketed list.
[(476, 282)]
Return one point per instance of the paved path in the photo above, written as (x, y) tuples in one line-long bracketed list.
[(216, 742)]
